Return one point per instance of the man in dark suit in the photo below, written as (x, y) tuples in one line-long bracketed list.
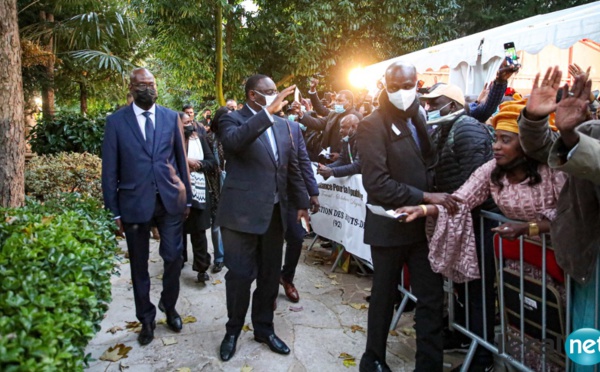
[(348, 163), (396, 157), (294, 236), (262, 169), (145, 179)]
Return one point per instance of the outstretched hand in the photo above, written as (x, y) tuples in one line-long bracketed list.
[(413, 213), (542, 101), (572, 109)]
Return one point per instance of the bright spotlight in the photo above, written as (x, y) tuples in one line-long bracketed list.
[(357, 78)]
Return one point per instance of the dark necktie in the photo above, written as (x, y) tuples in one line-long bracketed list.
[(149, 132)]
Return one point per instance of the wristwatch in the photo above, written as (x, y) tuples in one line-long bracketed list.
[(534, 229)]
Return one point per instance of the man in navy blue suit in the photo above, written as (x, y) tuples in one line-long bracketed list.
[(294, 236), (145, 179), (262, 170)]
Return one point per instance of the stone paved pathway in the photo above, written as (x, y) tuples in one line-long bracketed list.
[(317, 334)]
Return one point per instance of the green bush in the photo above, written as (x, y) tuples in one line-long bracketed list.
[(49, 175), (56, 260), (68, 132)]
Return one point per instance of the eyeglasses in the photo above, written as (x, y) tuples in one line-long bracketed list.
[(143, 86), (267, 92)]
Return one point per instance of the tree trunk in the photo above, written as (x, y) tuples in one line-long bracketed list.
[(219, 53), (229, 29), (48, 86), (12, 141), (83, 96)]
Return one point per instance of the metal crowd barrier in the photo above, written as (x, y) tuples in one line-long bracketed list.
[(549, 349)]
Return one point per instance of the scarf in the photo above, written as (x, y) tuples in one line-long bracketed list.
[(197, 179)]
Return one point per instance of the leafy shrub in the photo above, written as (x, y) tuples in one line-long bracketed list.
[(49, 175), (56, 260), (68, 132)]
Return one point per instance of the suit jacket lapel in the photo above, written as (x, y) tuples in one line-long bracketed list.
[(264, 138), (132, 122), (282, 133), (159, 125)]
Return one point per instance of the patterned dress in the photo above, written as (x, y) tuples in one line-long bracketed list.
[(452, 243)]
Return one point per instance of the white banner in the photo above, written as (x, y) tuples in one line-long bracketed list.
[(342, 214)]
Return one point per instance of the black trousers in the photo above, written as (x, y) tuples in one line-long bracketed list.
[(250, 257), (170, 249), (294, 237), (202, 258), (426, 286)]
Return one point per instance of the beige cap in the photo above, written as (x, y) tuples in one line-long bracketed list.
[(448, 90)]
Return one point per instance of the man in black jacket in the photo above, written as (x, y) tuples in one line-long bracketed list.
[(348, 162), (330, 124), (396, 157), (464, 144)]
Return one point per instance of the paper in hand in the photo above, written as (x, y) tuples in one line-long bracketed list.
[(375, 209), (296, 95)]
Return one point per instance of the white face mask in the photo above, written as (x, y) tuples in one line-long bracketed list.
[(403, 98), (268, 99)]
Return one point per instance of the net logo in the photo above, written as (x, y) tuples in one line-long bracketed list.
[(583, 346)]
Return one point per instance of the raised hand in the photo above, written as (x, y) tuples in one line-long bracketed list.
[(279, 103), (313, 85), (542, 101), (506, 71), (572, 109)]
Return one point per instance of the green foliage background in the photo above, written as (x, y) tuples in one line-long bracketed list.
[(56, 260)]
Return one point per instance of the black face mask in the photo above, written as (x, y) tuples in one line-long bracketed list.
[(145, 97), (188, 130)]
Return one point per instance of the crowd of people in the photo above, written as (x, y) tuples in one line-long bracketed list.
[(429, 153)]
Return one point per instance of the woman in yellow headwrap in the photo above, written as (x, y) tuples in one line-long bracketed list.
[(523, 189)]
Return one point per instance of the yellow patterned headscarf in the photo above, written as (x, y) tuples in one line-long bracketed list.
[(507, 117)]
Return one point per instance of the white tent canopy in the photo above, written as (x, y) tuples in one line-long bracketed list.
[(474, 59)]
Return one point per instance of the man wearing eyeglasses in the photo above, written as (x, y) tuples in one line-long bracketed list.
[(262, 170), (145, 179)]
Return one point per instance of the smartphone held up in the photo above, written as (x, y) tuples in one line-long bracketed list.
[(510, 54)]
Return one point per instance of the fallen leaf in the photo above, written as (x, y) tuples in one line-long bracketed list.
[(159, 276), (135, 327), (246, 328), (317, 263), (183, 369), (345, 356), (368, 289), (161, 321), (115, 353), (114, 329), (318, 285), (247, 368), (409, 331), (296, 308), (359, 306), (332, 276), (122, 366), (394, 333), (334, 282), (344, 302), (215, 282), (189, 319), (169, 341), (358, 328), (349, 363), (126, 261), (153, 260)]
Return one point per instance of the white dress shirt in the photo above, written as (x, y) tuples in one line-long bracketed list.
[(141, 119)]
